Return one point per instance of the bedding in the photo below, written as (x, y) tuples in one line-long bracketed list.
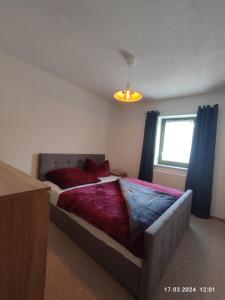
[(70, 177), (104, 206), (96, 232), (170, 191), (145, 205), (99, 170)]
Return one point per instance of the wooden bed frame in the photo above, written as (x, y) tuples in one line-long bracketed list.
[(161, 238)]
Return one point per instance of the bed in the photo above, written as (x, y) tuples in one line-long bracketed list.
[(139, 276)]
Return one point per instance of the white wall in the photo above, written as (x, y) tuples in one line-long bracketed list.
[(127, 135), (42, 113)]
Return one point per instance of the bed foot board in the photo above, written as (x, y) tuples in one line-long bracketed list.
[(161, 240)]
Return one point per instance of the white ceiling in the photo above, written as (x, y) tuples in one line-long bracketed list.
[(179, 44)]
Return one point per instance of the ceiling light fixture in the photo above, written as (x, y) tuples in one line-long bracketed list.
[(128, 95)]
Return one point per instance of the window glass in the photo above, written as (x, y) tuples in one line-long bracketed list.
[(175, 141)]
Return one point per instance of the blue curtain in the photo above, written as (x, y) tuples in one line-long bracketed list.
[(200, 170), (148, 150)]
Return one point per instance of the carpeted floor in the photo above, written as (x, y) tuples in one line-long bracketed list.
[(199, 261)]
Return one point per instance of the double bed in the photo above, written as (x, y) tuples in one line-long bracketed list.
[(139, 275)]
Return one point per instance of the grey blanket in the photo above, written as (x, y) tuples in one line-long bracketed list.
[(144, 205)]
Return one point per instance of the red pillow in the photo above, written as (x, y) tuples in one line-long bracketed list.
[(70, 177), (101, 170)]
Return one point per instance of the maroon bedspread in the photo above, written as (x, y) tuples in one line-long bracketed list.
[(103, 206)]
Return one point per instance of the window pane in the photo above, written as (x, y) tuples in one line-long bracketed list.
[(177, 140)]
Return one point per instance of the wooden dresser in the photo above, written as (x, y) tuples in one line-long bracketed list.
[(24, 214)]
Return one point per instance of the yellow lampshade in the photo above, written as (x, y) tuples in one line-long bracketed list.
[(128, 96)]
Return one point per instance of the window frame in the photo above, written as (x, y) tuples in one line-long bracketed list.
[(169, 163)]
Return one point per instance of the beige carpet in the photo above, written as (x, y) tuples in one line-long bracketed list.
[(199, 261)]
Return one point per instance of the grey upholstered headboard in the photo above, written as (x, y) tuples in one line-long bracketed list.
[(51, 161)]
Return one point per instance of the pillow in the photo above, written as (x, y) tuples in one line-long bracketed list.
[(101, 170), (70, 177)]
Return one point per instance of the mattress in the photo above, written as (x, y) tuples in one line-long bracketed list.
[(101, 235)]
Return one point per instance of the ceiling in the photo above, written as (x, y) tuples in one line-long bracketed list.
[(179, 44)]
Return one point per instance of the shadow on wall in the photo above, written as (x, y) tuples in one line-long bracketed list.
[(34, 165)]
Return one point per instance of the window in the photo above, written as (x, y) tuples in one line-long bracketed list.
[(175, 140)]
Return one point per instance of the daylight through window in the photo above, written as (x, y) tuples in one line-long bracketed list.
[(175, 141)]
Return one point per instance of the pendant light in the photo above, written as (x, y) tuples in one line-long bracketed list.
[(128, 95)]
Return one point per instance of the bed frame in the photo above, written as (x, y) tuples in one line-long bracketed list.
[(161, 238)]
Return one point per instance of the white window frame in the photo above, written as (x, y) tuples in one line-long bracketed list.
[(158, 140)]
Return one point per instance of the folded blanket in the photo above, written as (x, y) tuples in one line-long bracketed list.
[(121, 209), (145, 206)]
